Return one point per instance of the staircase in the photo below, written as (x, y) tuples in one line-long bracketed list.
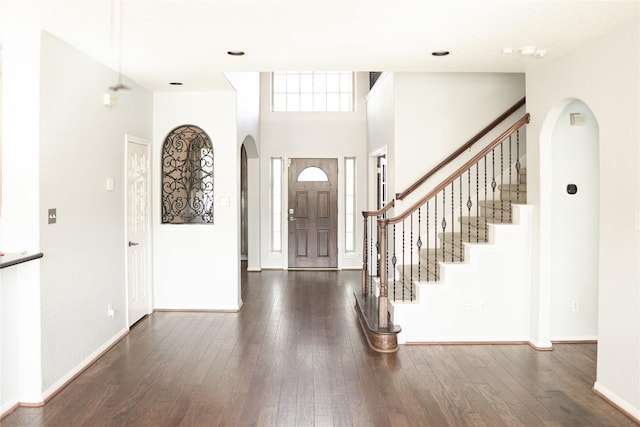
[(473, 229), (451, 267)]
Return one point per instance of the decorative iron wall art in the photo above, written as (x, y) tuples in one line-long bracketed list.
[(187, 177)]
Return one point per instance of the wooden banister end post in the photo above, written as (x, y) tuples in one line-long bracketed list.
[(383, 315), (383, 311)]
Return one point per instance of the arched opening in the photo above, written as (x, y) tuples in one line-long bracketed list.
[(574, 204), (250, 203), (244, 239)]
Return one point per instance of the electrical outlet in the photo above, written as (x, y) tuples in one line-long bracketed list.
[(575, 305)]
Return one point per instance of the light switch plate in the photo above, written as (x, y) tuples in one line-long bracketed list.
[(52, 216)]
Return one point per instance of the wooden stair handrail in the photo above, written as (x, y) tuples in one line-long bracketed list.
[(379, 212), (524, 120), (462, 149)]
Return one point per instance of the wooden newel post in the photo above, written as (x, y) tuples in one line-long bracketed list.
[(383, 312), (365, 264)]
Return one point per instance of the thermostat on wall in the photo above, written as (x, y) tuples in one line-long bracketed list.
[(576, 119)]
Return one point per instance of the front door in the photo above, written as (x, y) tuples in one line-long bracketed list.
[(138, 230), (313, 213)]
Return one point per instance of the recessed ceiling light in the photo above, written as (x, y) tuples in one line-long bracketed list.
[(175, 83), (235, 53), (440, 53), (507, 50)]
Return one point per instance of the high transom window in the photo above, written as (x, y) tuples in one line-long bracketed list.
[(187, 177), (312, 91)]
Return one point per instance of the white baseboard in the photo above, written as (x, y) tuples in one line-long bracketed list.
[(617, 401), (8, 407), (254, 270), (59, 385), (575, 339), (541, 345)]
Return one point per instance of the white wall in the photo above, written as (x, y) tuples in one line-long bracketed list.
[(435, 113), (484, 299), (299, 135), (62, 144), (574, 256), (247, 86), (20, 339), (198, 266), (380, 132), (81, 145), (605, 75), (20, 140), (421, 118)]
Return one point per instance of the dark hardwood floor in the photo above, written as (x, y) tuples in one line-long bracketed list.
[(295, 356)]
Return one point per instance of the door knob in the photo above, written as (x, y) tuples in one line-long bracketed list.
[(132, 243), (291, 218)]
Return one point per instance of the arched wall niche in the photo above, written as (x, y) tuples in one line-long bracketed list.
[(571, 182)]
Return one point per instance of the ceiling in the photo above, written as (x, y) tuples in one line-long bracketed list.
[(188, 40)]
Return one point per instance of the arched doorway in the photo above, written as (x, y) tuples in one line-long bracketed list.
[(574, 197), (243, 205), (250, 203)]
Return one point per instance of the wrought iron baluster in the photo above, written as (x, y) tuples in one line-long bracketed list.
[(477, 205), (493, 185), (404, 264), (510, 143), (460, 247), (428, 244), (518, 164), (444, 225), (469, 204), (501, 181), (486, 227), (435, 236), (453, 223), (418, 245), (365, 252)]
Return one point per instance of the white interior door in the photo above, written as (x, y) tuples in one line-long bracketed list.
[(138, 229)]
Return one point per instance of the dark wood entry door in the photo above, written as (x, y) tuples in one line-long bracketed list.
[(313, 213)]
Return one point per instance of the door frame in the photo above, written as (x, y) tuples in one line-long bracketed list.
[(133, 139)]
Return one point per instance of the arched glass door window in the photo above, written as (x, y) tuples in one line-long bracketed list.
[(187, 177), (312, 173)]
